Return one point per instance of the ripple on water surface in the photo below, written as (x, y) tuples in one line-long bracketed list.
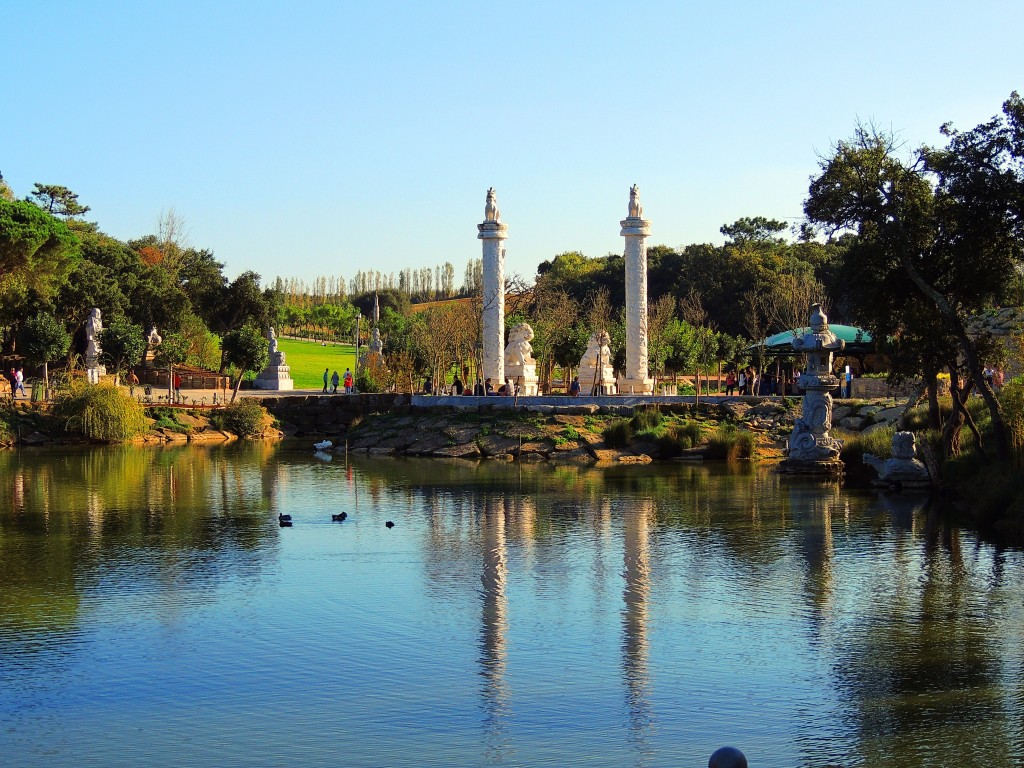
[(155, 614)]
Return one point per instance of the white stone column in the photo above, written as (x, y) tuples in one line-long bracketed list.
[(636, 229), (493, 233)]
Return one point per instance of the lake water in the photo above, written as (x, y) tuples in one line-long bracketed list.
[(153, 613)]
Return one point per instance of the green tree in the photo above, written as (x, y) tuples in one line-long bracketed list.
[(58, 201), (44, 338), (123, 344), (37, 253), (246, 349), (755, 229), (945, 224)]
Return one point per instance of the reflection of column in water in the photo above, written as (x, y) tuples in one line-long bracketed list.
[(94, 511), (494, 622), (637, 574), (18, 494)]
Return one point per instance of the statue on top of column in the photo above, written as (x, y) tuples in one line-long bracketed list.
[(491, 212), (636, 211)]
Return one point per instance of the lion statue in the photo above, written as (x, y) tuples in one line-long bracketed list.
[(636, 211), (518, 352), (491, 212)]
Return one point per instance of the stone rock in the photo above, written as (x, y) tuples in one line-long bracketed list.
[(535, 448), (429, 443), (840, 412), (852, 423), (608, 455), (576, 456), (497, 445), (890, 414), (642, 458), (568, 445), (464, 451), (736, 408)]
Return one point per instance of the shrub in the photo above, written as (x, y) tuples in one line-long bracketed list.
[(1012, 399), (678, 438), (645, 420), (100, 412), (167, 418), (855, 445), (244, 417), (8, 420), (618, 434), (731, 444), (571, 433)]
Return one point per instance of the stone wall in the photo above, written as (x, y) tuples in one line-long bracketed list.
[(867, 389), (328, 414)]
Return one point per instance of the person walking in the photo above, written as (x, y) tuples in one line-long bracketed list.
[(349, 382), (19, 378), (730, 383), (326, 377), (334, 383), (177, 387)]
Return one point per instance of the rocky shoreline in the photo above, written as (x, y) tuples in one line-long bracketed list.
[(571, 433)]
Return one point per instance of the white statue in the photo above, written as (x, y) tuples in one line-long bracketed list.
[(636, 210), (519, 350), (93, 329), (277, 358), (903, 469), (596, 374), (491, 212), (153, 338), (376, 345)]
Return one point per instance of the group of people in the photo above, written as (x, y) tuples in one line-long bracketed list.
[(17, 377), (993, 377), (347, 381), (742, 382), (482, 388)]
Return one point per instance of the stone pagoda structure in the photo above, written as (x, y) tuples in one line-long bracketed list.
[(811, 449)]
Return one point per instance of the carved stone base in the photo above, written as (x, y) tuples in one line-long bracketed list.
[(525, 377), (635, 386), (94, 374), (605, 380), (275, 378)]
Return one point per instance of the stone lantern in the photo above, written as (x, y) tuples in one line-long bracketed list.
[(811, 449)]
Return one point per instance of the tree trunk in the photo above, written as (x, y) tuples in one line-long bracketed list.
[(238, 386), (999, 431), (934, 415)]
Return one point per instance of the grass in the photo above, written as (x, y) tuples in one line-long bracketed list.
[(307, 360), (729, 444)]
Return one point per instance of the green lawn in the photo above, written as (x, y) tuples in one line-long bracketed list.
[(307, 359)]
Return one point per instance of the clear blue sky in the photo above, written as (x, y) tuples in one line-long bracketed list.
[(308, 138)]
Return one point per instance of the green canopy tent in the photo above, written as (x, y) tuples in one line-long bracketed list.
[(858, 341)]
